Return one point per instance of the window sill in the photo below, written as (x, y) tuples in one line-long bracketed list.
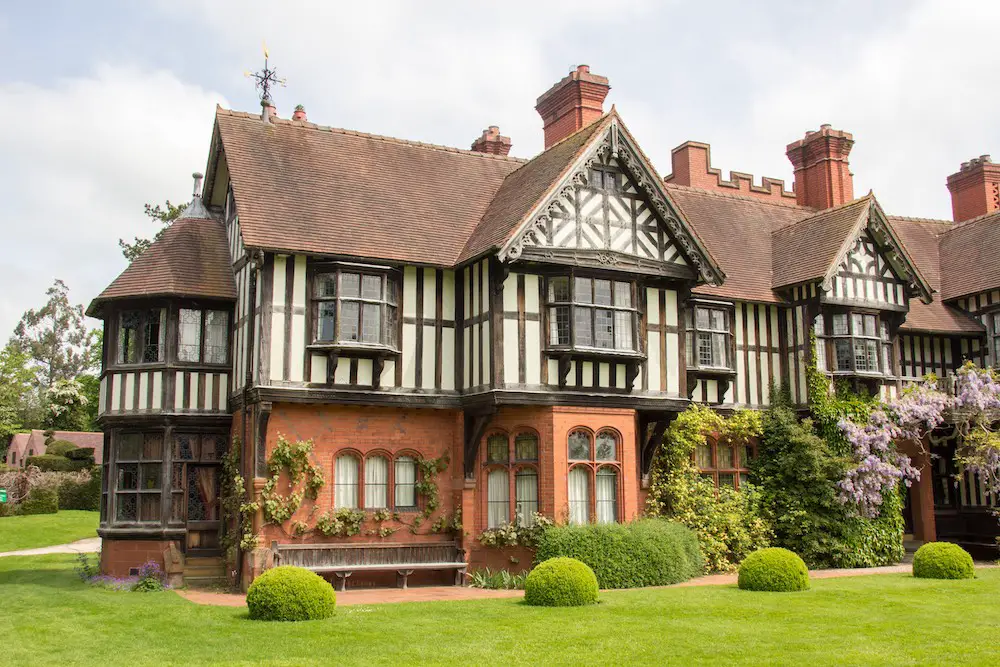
[(713, 371), (595, 353), (358, 349)]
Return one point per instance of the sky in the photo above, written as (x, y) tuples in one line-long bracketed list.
[(105, 106)]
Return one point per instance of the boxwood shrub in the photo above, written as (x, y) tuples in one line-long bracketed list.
[(773, 569), (649, 552), (943, 560), (289, 593), (81, 495), (53, 463), (560, 582), (41, 500), (59, 447)]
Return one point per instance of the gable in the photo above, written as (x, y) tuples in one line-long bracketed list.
[(609, 210), (864, 275)]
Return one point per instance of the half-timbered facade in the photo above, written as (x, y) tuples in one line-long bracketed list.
[(536, 322)]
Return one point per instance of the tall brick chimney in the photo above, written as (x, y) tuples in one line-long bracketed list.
[(492, 142), (975, 188), (822, 175), (572, 104)]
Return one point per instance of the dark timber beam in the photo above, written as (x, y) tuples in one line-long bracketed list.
[(475, 427)]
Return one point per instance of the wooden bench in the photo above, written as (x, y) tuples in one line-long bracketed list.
[(343, 560)]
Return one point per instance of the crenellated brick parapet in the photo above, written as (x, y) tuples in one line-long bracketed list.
[(692, 166)]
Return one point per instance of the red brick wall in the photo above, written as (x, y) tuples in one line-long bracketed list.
[(691, 164), (118, 556), (975, 189)]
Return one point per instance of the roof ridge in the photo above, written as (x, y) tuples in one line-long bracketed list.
[(368, 135), (913, 218), (743, 197), (978, 218)]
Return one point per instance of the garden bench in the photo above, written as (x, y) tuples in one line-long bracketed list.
[(343, 560)]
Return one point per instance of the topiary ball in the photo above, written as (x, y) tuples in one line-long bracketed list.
[(561, 582), (289, 593), (773, 569), (943, 560)]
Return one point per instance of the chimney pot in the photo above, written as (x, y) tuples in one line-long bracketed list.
[(197, 176), (299, 113), (573, 103), (985, 158), (492, 142)]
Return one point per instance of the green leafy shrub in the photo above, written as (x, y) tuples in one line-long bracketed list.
[(10, 509), (943, 560), (650, 552), (561, 582), (289, 593), (51, 462), (85, 454), (59, 447), (76, 495), (773, 569), (41, 500)]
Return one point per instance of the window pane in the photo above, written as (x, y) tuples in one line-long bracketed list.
[(724, 453), (559, 325), (350, 284), (582, 326), (857, 323), (526, 495), (558, 289), (871, 348), (177, 477), (582, 292), (406, 481), (497, 498), (818, 325), (606, 446), (579, 495), (185, 447), (371, 287), (128, 338), (326, 285), (390, 290), (128, 477), (349, 325), (526, 447), (376, 482), (129, 446), (870, 326), (579, 446), (820, 354), (718, 320), (345, 493), (325, 319), (887, 359), (702, 318), (371, 323), (703, 456), (496, 448), (623, 295), (203, 494), (840, 324), (885, 331), (704, 349), (150, 476), (727, 480), (216, 336), (623, 331), (602, 292), (390, 326), (189, 335), (843, 350), (152, 447), (860, 358), (128, 509), (746, 456), (154, 334), (603, 329), (595, 178), (719, 355), (606, 495)]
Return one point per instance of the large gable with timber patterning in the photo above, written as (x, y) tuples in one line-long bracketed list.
[(536, 322)]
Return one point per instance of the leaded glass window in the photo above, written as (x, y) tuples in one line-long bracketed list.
[(592, 313), (355, 308)]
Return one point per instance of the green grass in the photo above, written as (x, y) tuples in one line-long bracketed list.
[(50, 617), (44, 530)]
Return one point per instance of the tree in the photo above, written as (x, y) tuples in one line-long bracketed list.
[(66, 406), (165, 216), (15, 391), (55, 338)]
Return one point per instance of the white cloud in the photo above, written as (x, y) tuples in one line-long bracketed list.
[(81, 157)]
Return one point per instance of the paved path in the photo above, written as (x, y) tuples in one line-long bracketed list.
[(84, 546), (436, 593)]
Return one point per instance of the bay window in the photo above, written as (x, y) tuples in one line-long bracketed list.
[(138, 471), (202, 335), (141, 336), (859, 343), (593, 466), (593, 313), (708, 337), (995, 348), (355, 308), (511, 478)]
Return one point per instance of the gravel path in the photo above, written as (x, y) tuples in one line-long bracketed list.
[(88, 545)]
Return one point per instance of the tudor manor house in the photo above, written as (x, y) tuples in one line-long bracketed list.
[(536, 323)]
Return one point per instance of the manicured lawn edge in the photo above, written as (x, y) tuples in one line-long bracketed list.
[(45, 530)]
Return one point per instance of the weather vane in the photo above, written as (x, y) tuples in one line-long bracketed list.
[(265, 79)]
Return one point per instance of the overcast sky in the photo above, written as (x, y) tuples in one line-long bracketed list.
[(107, 105)]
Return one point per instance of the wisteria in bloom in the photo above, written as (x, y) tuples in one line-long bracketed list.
[(976, 389)]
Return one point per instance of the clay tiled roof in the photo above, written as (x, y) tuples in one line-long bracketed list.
[(306, 188), (806, 250), (969, 257), (191, 259), (524, 189), (737, 230), (23, 443)]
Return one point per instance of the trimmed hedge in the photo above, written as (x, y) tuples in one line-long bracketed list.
[(52, 463), (773, 569), (560, 582), (40, 500), (85, 496), (59, 447), (943, 560), (289, 593), (649, 552)]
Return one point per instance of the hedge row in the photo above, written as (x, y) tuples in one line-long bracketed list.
[(649, 552)]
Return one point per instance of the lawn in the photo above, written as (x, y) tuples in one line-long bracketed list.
[(50, 617), (44, 530)]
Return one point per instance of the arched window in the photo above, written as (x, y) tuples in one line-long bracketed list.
[(406, 482), (511, 478), (497, 498), (526, 494), (606, 495), (593, 477), (579, 446), (345, 482), (606, 447), (579, 495), (376, 482), (496, 448)]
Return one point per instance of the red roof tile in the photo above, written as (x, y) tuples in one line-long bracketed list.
[(969, 257)]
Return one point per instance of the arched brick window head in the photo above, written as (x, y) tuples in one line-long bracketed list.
[(511, 463), (593, 476)]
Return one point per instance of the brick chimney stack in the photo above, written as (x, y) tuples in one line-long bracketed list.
[(823, 177), (572, 104), (975, 189), (492, 142)]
